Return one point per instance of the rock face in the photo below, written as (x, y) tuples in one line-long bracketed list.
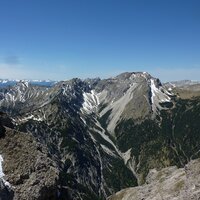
[(89, 139), (169, 183), (28, 168)]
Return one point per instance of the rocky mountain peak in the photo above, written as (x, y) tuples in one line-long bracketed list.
[(134, 77), (20, 86), (97, 136)]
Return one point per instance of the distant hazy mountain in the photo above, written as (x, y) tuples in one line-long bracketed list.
[(7, 82), (183, 83), (87, 139)]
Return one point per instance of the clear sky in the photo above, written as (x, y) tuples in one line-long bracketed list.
[(61, 39)]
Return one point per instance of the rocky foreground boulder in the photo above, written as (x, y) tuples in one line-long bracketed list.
[(28, 172), (169, 183)]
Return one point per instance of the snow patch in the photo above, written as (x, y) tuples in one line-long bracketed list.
[(39, 119), (158, 96), (144, 75), (91, 102), (26, 83), (6, 183), (1, 168), (83, 120), (170, 89)]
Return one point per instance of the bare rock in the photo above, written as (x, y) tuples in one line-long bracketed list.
[(31, 173), (169, 183)]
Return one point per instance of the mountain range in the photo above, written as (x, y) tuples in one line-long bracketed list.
[(88, 139), (8, 82)]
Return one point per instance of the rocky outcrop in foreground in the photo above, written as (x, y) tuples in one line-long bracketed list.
[(169, 183), (27, 170)]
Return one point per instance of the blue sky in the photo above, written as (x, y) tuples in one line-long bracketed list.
[(62, 39)]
